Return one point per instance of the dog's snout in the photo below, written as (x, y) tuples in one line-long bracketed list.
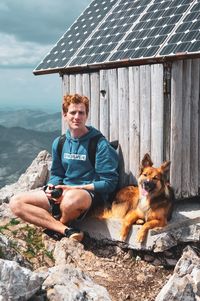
[(149, 185)]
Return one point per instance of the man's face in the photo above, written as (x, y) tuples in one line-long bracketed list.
[(76, 116)]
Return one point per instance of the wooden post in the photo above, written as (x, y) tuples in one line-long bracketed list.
[(186, 99), (113, 104), (65, 91), (157, 114), (123, 98), (104, 107), (167, 111), (145, 110), (176, 127), (65, 84), (72, 83), (95, 95), (86, 92), (134, 122), (194, 150), (79, 84)]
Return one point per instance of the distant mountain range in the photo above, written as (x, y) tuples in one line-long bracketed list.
[(31, 119), (23, 134)]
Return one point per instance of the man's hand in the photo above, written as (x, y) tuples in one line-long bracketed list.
[(48, 191)]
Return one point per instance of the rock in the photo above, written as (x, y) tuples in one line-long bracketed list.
[(184, 284), (5, 212), (67, 283), (17, 283), (184, 227), (35, 176), (68, 251), (171, 262)]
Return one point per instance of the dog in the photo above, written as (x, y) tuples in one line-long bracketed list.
[(150, 203)]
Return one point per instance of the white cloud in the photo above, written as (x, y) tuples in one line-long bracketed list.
[(14, 53), (41, 21)]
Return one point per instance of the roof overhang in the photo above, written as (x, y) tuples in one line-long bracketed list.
[(118, 64)]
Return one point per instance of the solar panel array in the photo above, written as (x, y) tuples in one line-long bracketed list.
[(116, 30)]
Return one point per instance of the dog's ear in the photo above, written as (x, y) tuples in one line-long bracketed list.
[(146, 162), (165, 166)]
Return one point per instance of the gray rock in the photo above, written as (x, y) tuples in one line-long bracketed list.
[(35, 176), (17, 283), (184, 285), (65, 283)]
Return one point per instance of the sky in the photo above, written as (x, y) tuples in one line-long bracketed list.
[(28, 31)]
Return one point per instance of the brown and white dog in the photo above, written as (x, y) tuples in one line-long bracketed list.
[(149, 204)]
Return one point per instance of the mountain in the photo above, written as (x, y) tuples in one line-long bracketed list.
[(19, 147), (31, 119)]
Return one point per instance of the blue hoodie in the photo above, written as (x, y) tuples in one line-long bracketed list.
[(75, 167)]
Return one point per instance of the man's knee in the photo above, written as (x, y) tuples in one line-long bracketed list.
[(76, 199), (15, 204)]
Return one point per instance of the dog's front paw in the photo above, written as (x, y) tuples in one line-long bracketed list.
[(141, 236), (123, 237)]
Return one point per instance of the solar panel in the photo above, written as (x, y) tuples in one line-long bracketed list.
[(112, 30), (152, 30), (186, 38), (117, 30), (76, 35)]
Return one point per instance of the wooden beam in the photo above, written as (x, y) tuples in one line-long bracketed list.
[(176, 127)]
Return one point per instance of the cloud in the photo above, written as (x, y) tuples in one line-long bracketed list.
[(15, 53), (39, 21), (30, 28)]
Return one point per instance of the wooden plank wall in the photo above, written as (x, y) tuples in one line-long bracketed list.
[(185, 143), (128, 104)]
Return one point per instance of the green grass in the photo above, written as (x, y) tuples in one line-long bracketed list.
[(31, 236)]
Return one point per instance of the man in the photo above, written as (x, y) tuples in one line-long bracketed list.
[(84, 186)]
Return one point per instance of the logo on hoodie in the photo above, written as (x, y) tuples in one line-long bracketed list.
[(74, 157)]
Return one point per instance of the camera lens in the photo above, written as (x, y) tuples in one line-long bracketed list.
[(56, 193)]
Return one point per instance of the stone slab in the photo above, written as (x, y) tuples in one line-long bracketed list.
[(183, 227)]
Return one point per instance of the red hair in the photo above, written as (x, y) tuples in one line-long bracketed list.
[(75, 99)]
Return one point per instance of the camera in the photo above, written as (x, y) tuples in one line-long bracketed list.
[(56, 192)]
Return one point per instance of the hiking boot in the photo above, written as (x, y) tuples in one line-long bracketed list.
[(74, 233)]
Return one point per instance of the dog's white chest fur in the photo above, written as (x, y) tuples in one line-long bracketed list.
[(144, 204)]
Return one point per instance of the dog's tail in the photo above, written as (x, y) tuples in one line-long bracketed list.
[(102, 213)]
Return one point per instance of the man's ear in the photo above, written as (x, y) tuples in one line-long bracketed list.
[(165, 167), (146, 162)]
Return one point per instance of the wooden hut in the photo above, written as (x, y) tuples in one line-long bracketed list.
[(138, 62)]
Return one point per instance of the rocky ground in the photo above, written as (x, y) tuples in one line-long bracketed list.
[(127, 274)]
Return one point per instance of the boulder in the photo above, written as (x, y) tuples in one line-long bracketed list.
[(16, 282), (65, 282), (184, 284), (35, 176)]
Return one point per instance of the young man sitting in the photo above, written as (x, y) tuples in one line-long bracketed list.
[(83, 186)]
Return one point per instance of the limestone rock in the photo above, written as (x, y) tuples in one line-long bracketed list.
[(184, 285), (65, 283), (35, 176), (17, 283), (67, 251)]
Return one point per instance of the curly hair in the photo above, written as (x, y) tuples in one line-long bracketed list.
[(75, 99)]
